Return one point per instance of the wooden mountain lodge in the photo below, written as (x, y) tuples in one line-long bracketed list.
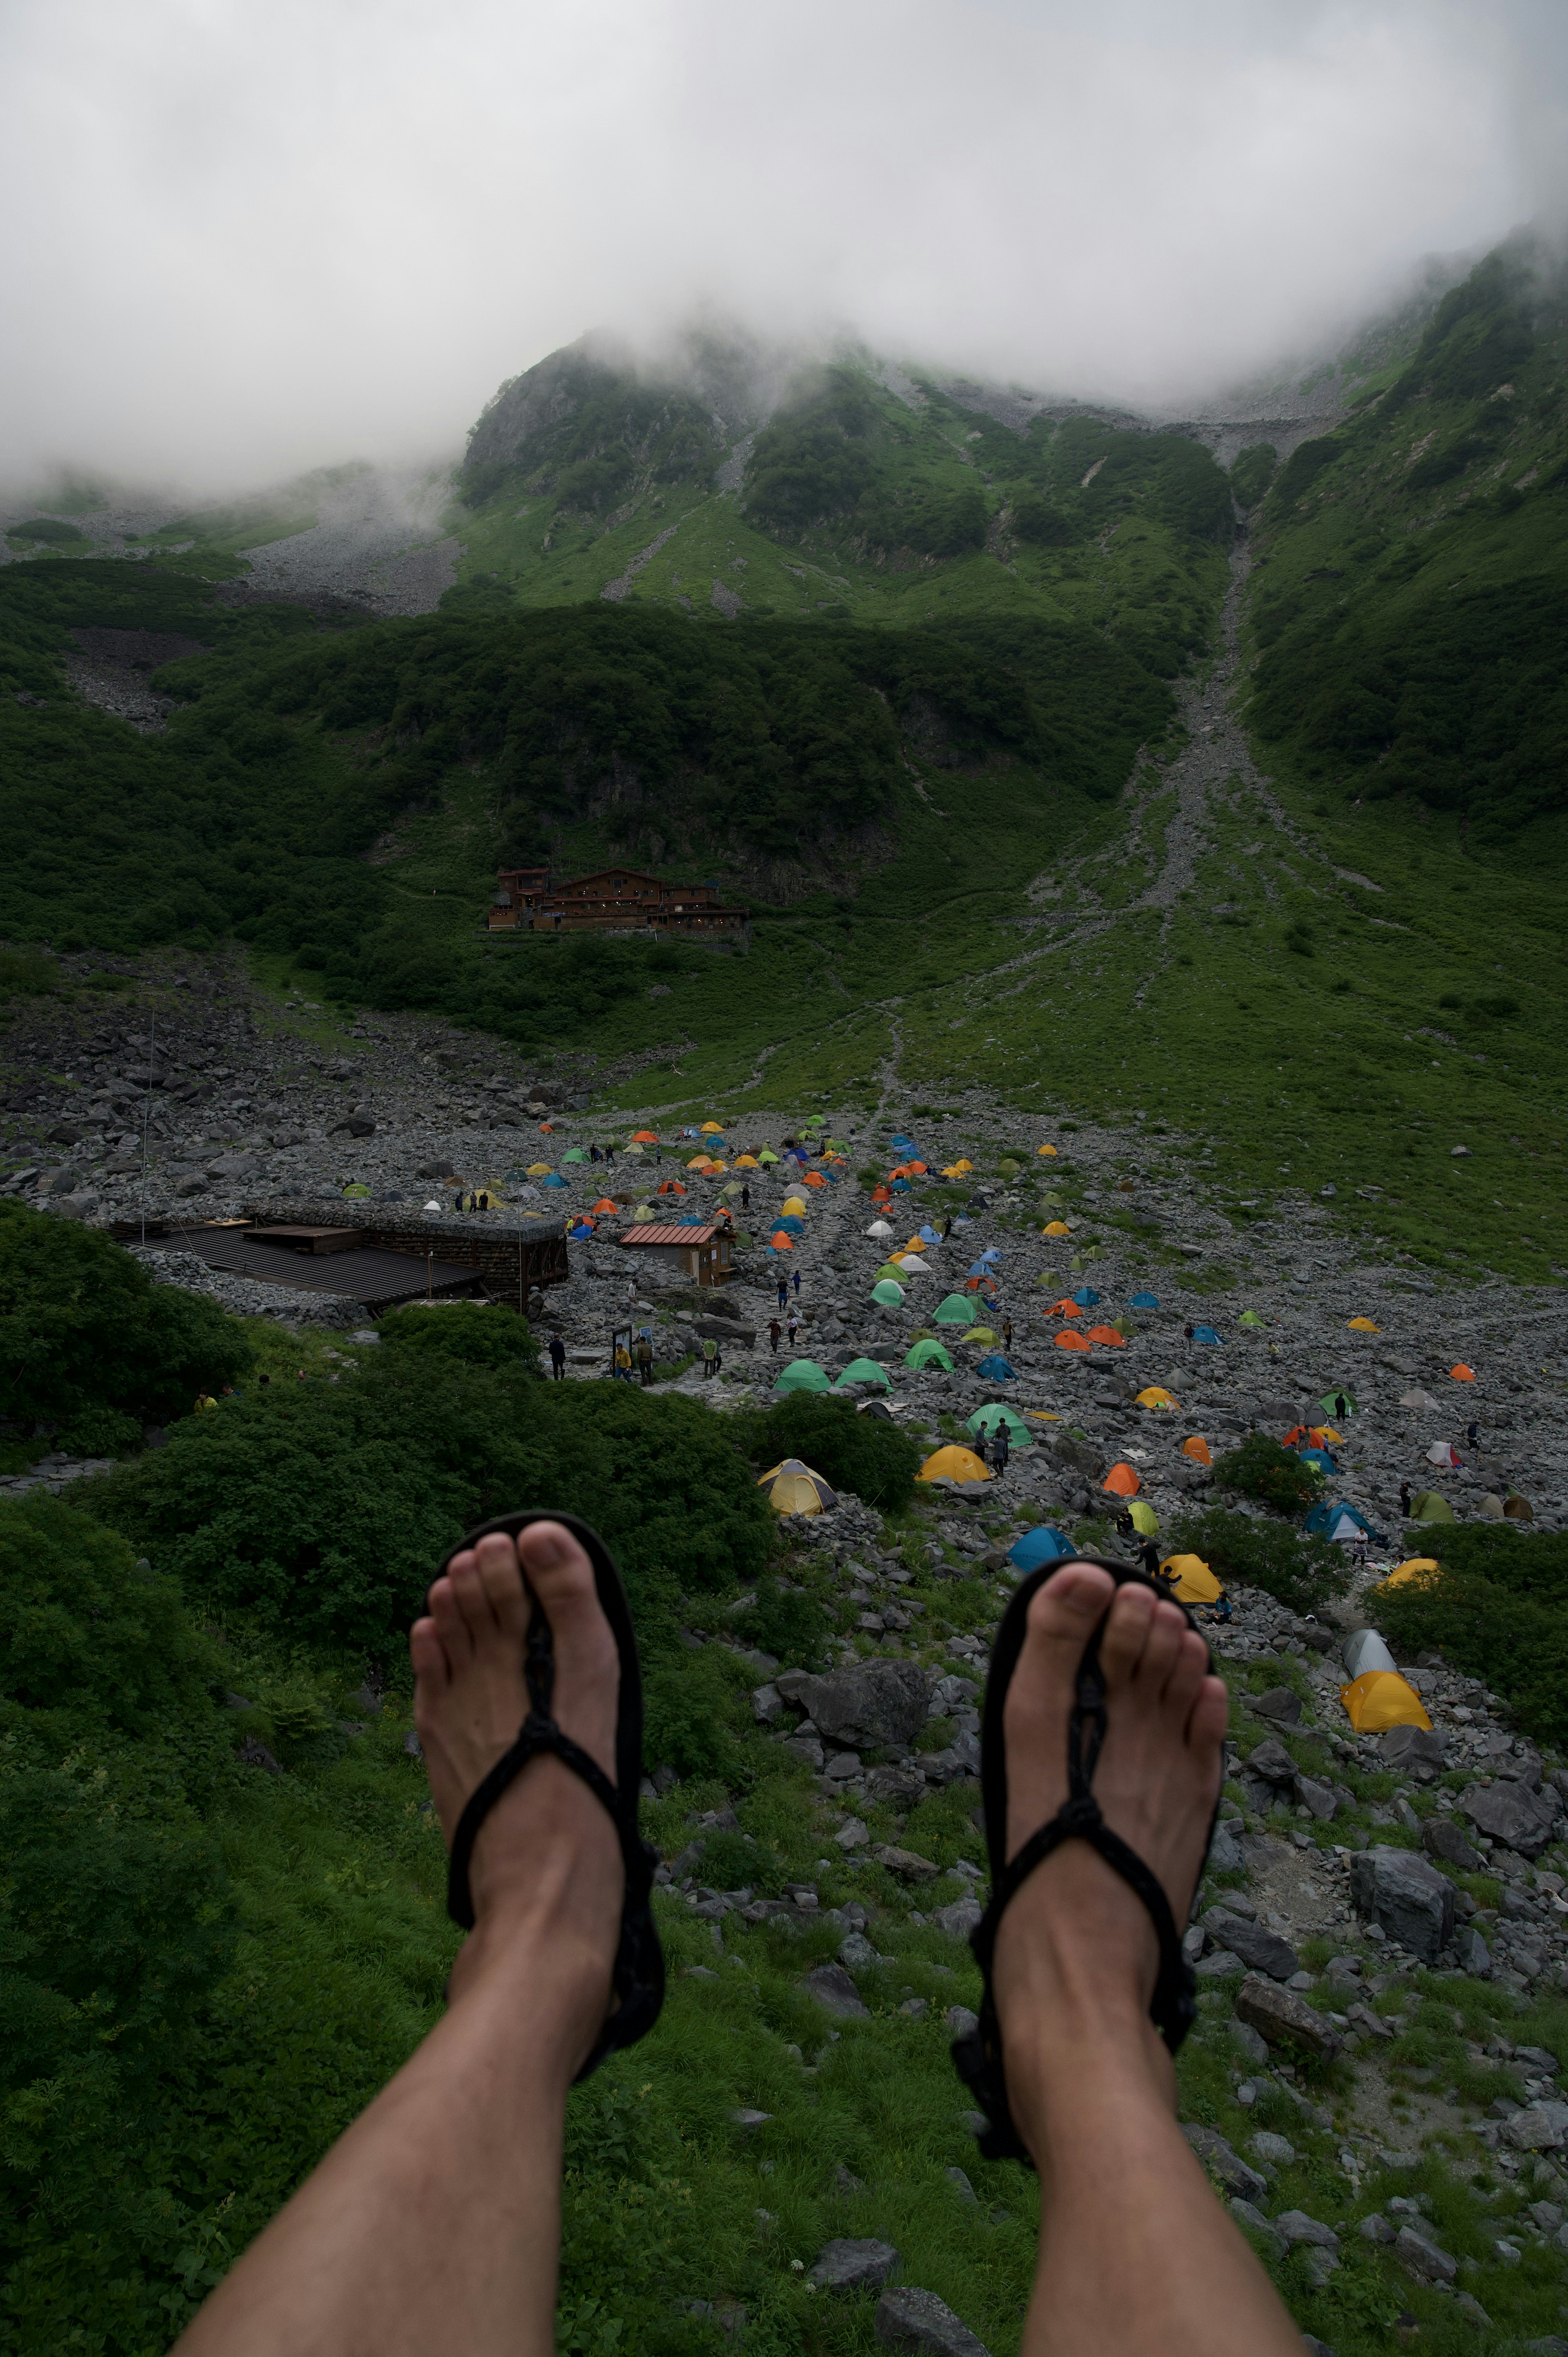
[(612, 899)]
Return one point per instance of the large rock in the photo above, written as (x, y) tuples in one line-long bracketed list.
[(1540, 2127), (958, 1920), (234, 1165), (1284, 2019), (1226, 1854), (1413, 1902), (880, 1701), (853, 2266), (907, 2318), (833, 1989), (905, 1861), (1271, 1762), (1234, 2174), (1297, 2227), (1280, 1704), (1443, 1837), (1260, 1950), (1423, 2259), (1403, 1746), (1511, 1812), (1321, 1799)]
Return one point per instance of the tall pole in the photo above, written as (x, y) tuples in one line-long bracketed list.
[(146, 1117)]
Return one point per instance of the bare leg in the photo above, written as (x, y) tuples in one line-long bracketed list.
[(1135, 2252), (434, 2223)]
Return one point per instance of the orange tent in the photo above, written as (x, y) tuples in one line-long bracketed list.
[(1462, 1374), (605, 1205), (672, 1187), (1067, 1341), (781, 1241), (645, 1137), (1108, 1337), (1056, 1228), (1197, 1450), (916, 1169), (812, 1179), (1121, 1482), (1068, 1308)]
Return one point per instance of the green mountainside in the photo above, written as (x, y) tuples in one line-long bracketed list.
[(950, 698)]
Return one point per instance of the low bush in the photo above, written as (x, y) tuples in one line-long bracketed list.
[(83, 1328), (859, 1453), (1264, 1469), (787, 1622), (1300, 1573), (1496, 1612), (478, 1333)]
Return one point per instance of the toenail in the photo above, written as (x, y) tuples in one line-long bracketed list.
[(547, 1547)]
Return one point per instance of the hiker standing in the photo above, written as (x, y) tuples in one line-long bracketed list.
[(1404, 1499), (645, 1359), (793, 1329), (783, 1293), (947, 1227), (1006, 1333), (1000, 1450), (774, 1330), (710, 1355), (557, 1358), (795, 1281), (745, 1196)]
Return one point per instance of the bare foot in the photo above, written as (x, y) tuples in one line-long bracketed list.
[(1076, 1952), (546, 1858)]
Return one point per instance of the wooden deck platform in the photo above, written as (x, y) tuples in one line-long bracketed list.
[(382, 1280)]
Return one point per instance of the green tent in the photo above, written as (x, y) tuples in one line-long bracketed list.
[(359, 1191), (803, 1375), (986, 1420), (573, 1153), (929, 1354), (1428, 1507), (1329, 1405), (890, 1296), (956, 1310), (1252, 1318), (891, 1272), (865, 1370)]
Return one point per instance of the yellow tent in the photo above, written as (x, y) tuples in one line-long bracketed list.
[(796, 1204), (713, 1129), (1143, 1517), (698, 1162), (1191, 1581), (1380, 1699), (1156, 1396), (979, 1334), (1414, 1568), (793, 1489), (953, 1464), (746, 1162), (1044, 1149), (959, 1169), (538, 1169), (1364, 1326), (1056, 1228)]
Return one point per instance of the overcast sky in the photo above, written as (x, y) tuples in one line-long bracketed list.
[(242, 237)]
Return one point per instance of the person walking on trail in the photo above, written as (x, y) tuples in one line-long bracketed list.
[(1006, 1333), (1341, 1407), (1473, 1435), (793, 1329), (774, 1330), (644, 1356), (1404, 1499), (710, 1356), (434, 2221), (783, 1293), (557, 1358), (1000, 1450), (744, 1195), (1149, 1556), (622, 1363), (795, 1281), (981, 1445), (947, 1227)]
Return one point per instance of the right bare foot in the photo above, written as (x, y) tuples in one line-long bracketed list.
[(547, 1859), (1076, 1953)]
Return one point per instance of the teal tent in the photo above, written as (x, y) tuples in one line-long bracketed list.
[(929, 1354), (954, 1311), (997, 1411), (803, 1375), (887, 1294), (864, 1370)]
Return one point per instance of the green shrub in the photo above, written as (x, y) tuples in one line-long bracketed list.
[(1496, 1612), (862, 1454), (478, 1333), (787, 1622), (84, 1632), (1264, 1468), (1253, 472), (690, 1714), (82, 1326), (1301, 1573), (27, 973)]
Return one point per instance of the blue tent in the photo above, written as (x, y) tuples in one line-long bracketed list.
[(1203, 1334), (929, 1236), (1319, 1457), (552, 1178), (991, 1252), (791, 1223), (902, 1145), (1043, 1543), (902, 1187), (1142, 1301), (977, 1268), (1085, 1297), (1322, 1520), (834, 1177), (995, 1368), (963, 1221)]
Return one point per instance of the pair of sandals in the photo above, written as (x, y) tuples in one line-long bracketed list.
[(638, 1975)]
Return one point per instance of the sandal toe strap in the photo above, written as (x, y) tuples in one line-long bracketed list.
[(539, 1734)]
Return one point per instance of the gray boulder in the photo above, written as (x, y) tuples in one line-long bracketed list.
[(834, 1991), (958, 1920), (1273, 1762), (1227, 2165), (1403, 1746), (907, 2318), (1511, 1812), (1248, 2215), (1412, 1901), (234, 1165), (1297, 2227), (853, 2266), (879, 1703), (1443, 1837), (1261, 1951), (1321, 1799), (1284, 2019), (1473, 1954), (1225, 1852), (1280, 1704), (1540, 2127), (1423, 2259)]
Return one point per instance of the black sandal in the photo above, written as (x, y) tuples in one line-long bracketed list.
[(977, 2056), (638, 1978)]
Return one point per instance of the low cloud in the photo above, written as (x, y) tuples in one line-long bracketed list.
[(245, 241)]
